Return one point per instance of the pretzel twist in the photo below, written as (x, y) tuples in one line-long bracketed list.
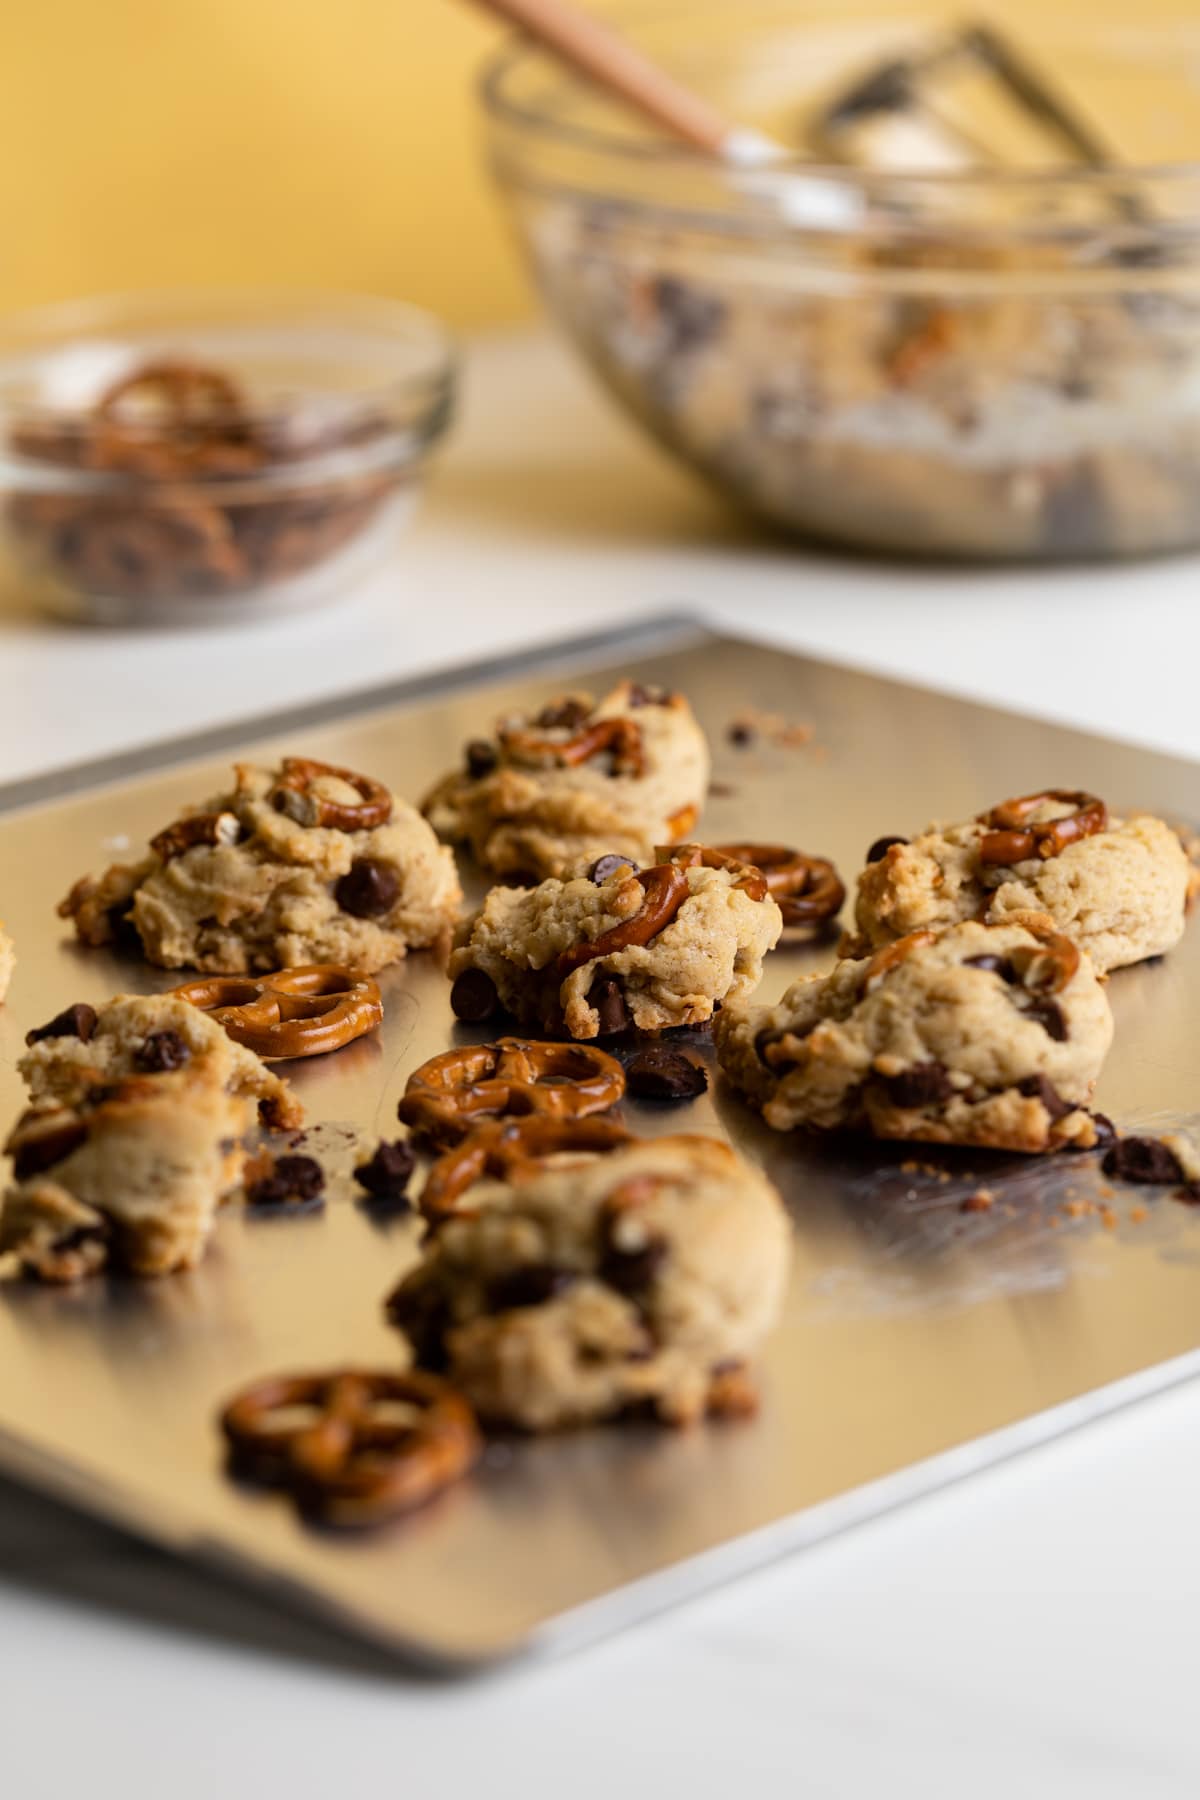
[(622, 736), (299, 1012), (510, 1150), (1050, 967), (352, 1462), (665, 887), (807, 889), (892, 955), (293, 794), (1010, 839), (750, 880), (513, 1078), (200, 828)]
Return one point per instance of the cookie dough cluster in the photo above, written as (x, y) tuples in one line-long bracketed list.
[(133, 1137), (305, 863), (969, 1008), (549, 793), (653, 948)]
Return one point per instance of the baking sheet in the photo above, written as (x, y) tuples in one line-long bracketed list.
[(920, 1340)]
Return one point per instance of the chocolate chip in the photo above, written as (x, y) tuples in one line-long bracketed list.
[(123, 925), (1049, 1015), (609, 1001), (648, 696), (161, 1051), (47, 1147), (604, 866), (995, 965), (292, 1179), (482, 758), (1040, 1087), (389, 1170), (423, 1314), (473, 998), (1106, 1131), (691, 316), (1143, 1159), (78, 1021), (633, 1271), (881, 846), (924, 1084), (563, 715), (658, 1073), (531, 1286), (741, 734), (368, 889)]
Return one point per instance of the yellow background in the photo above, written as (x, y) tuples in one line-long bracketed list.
[(327, 142)]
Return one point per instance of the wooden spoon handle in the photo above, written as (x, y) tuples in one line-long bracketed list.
[(596, 51)]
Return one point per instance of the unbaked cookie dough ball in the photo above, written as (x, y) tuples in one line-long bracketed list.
[(1118, 887), (991, 1035), (645, 1278), (547, 794)]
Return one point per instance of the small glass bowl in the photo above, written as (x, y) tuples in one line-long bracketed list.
[(992, 364), (185, 457)]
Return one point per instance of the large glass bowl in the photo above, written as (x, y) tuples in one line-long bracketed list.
[(181, 457), (1001, 363)]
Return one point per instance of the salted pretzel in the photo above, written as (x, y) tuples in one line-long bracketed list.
[(353, 1460), (892, 955), (510, 1150), (293, 794), (681, 822), (1053, 964), (1010, 838), (299, 1012), (199, 828), (622, 736), (751, 880), (806, 888), (513, 1078), (665, 887)]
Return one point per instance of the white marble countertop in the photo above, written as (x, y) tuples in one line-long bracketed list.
[(1029, 1628)]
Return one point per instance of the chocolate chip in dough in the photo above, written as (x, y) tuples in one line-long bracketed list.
[(296, 1182), (531, 1286), (604, 866), (563, 715), (473, 997), (641, 695), (482, 758), (658, 1073), (609, 1001), (160, 1052), (881, 846), (1049, 1015), (1040, 1087), (78, 1021), (994, 965), (924, 1084), (1143, 1159), (631, 1272), (51, 1145), (368, 889)]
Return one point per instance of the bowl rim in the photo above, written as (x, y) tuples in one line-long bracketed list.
[(518, 50), (426, 392)]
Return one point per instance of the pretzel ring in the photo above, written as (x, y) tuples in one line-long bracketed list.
[(1053, 965), (300, 1012), (665, 887), (222, 828), (188, 393), (510, 1079), (751, 880), (509, 1149), (352, 1462), (806, 889), (892, 955), (620, 735), (1010, 839), (293, 795)]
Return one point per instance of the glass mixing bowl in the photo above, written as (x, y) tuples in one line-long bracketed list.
[(199, 457), (995, 362)]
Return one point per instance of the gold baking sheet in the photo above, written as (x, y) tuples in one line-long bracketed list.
[(920, 1340)]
